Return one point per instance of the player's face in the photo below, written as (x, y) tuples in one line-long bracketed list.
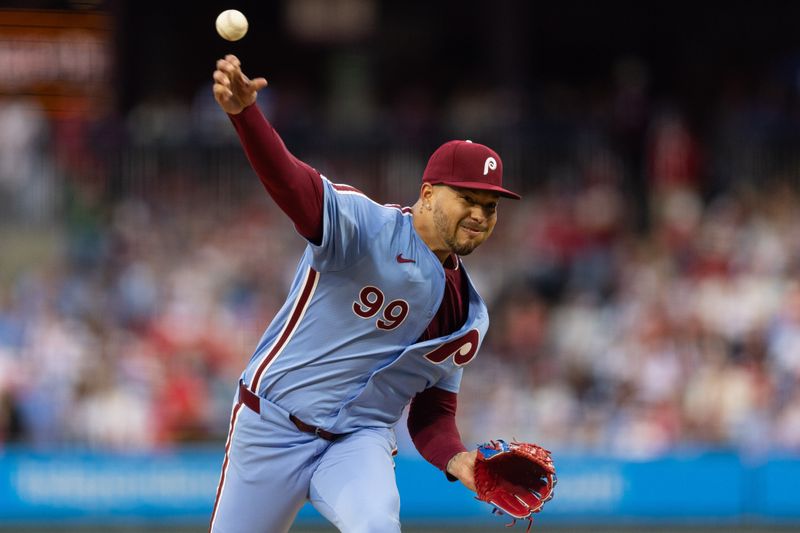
[(464, 218)]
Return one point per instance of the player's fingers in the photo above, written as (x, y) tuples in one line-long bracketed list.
[(258, 83), (221, 78), (233, 60), (221, 93), (226, 67)]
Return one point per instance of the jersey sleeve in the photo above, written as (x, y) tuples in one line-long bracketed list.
[(432, 426), (349, 218), (293, 185)]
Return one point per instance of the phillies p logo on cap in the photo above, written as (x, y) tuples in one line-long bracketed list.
[(491, 164)]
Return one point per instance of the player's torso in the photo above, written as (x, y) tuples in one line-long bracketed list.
[(340, 327)]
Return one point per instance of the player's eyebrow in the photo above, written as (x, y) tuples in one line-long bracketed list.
[(491, 204)]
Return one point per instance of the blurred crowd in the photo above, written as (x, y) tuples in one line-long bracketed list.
[(645, 293)]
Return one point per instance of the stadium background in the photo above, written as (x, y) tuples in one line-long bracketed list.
[(644, 295)]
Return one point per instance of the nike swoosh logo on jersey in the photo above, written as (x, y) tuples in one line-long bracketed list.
[(401, 259)]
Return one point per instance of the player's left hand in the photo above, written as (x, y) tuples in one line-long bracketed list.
[(518, 478), (462, 466)]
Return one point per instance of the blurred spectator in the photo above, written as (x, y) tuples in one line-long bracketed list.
[(25, 177)]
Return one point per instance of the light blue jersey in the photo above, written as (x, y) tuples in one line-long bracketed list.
[(342, 353)]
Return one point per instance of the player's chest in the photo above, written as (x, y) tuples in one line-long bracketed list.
[(396, 293)]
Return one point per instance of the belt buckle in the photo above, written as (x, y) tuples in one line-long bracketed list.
[(316, 432)]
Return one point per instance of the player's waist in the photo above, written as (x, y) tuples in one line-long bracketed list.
[(253, 401)]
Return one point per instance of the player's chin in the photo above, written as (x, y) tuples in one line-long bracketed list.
[(467, 247)]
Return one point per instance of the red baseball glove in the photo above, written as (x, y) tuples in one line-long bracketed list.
[(518, 478)]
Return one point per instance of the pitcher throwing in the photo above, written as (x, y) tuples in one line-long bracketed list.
[(381, 313)]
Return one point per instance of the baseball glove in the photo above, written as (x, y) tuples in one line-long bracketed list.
[(518, 478)]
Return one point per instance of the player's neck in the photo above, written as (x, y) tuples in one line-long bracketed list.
[(423, 224)]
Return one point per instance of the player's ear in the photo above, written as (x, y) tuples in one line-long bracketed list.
[(426, 193)]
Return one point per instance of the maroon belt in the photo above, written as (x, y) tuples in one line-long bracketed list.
[(253, 402)]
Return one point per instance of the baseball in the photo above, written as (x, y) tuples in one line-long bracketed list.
[(231, 25)]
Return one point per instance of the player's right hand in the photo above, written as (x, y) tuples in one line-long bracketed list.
[(233, 90)]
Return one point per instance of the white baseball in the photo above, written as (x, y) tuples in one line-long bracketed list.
[(231, 25)]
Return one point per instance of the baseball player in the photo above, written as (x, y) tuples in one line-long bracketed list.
[(381, 313)]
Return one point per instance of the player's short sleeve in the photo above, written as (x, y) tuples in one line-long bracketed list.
[(348, 219), (452, 382)]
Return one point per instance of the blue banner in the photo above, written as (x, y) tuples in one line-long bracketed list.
[(776, 489), (36, 486), (180, 487)]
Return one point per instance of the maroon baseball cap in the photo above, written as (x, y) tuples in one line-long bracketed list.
[(469, 165)]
